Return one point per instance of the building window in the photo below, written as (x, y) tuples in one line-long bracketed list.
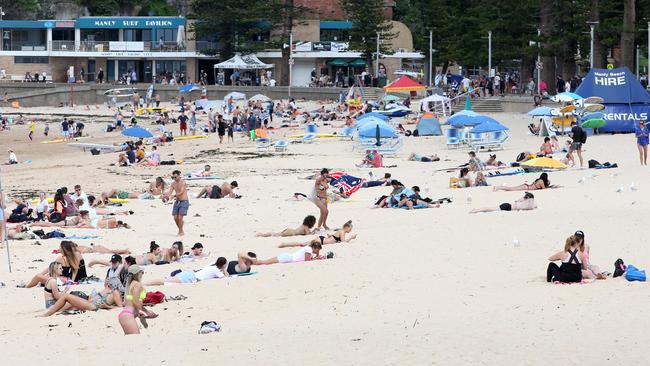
[(31, 60), (168, 35), (334, 35), (137, 35)]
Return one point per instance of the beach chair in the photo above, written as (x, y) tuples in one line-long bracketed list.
[(462, 136), (281, 146), (495, 141), (309, 138), (387, 147), (311, 128), (347, 132), (263, 144), (452, 138)]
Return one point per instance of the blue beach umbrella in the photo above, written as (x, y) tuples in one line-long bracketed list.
[(137, 132), (188, 88), (488, 125), (540, 111), (373, 114), (377, 130), (369, 119)]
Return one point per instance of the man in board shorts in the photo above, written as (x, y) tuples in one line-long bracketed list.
[(182, 202)]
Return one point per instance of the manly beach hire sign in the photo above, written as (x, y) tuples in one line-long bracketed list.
[(129, 22)]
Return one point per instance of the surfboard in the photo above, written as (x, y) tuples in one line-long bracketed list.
[(180, 138), (89, 146), (318, 135), (58, 141), (567, 109)]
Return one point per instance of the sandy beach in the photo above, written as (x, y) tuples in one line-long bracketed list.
[(424, 287)]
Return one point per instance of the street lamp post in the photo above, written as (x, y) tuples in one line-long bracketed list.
[(489, 53), (290, 62), (377, 65), (637, 62), (539, 63), (430, 56), (592, 27)]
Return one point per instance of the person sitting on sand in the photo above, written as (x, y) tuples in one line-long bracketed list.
[(546, 148), (94, 211), (540, 183), (464, 179), (133, 307), (216, 270), (339, 236), (392, 198), (573, 263), (57, 300), (227, 190), (196, 252), (242, 264), (414, 199), (305, 229), (592, 271), (423, 158), (72, 262), (480, 180), (151, 159), (155, 189), (206, 172), (305, 254), (475, 164), (174, 253), (523, 204)]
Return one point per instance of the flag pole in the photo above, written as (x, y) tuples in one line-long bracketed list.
[(5, 233)]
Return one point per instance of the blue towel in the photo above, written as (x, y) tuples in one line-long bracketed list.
[(82, 237)]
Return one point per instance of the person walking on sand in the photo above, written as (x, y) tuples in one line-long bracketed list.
[(32, 130), (182, 202), (642, 142), (320, 198), (579, 137)]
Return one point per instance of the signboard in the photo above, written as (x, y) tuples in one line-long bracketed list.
[(129, 22), (302, 46), (291, 61), (339, 46), (610, 66), (539, 65), (125, 46), (322, 46)]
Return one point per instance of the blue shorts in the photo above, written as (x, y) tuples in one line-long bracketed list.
[(180, 208), (186, 277)]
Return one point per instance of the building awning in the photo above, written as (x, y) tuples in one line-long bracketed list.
[(335, 24), (357, 63), (337, 62)]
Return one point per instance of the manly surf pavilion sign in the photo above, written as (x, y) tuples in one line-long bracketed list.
[(129, 22)]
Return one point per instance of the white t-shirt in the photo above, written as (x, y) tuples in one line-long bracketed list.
[(12, 157), (299, 256), (92, 213), (208, 273), (81, 195), (42, 206), (465, 83), (272, 83)]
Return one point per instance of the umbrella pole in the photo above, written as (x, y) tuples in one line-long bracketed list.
[(4, 240)]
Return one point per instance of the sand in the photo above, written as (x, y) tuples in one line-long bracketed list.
[(436, 286)]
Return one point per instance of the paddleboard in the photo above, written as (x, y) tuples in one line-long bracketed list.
[(594, 100), (89, 146), (318, 135), (179, 138), (593, 107), (57, 141), (567, 109)]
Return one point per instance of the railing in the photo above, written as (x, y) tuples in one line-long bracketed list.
[(25, 47), (119, 46)]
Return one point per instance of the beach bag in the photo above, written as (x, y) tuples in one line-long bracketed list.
[(634, 274), (153, 298), (209, 327), (54, 234)]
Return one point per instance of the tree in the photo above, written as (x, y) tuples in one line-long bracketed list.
[(627, 35), (233, 24), (285, 15), (367, 17)]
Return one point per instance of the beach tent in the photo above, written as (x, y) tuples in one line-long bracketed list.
[(429, 126), (625, 100), (404, 84), (234, 96), (259, 98), (243, 62), (207, 104), (441, 104)]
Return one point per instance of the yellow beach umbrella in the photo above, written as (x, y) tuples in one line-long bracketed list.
[(543, 163)]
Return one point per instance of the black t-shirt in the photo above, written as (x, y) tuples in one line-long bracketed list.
[(577, 134), (64, 125), (182, 118)]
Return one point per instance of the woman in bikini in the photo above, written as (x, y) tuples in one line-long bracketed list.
[(540, 183), (305, 229), (523, 204), (133, 307), (339, 236), (57, 300), (305, 254), (154, 255), (155, 188), (320, 198), (174, 253), (592, 271), (72, 264)]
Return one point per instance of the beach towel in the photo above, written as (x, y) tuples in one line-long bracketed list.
[(153, 298), (82, 237), (583, 282), (414, 207), (346, 183)]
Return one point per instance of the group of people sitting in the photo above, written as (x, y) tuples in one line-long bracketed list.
[(135, 154), (575, 265), (407, 198)]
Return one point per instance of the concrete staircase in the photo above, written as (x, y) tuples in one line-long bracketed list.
[(480, 105), (367, 94)]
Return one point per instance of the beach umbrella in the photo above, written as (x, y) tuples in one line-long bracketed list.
[(488, 125), (593, 107), (543, 163), (259, 98), (593, 120), (137, 132), (404, 83), (377, 130), (368, 120), (466, 120), (382, 117), (540, 112), (188, 88), (390, 98), (566, 97)]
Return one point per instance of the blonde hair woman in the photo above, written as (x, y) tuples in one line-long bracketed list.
[(133, 307)]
